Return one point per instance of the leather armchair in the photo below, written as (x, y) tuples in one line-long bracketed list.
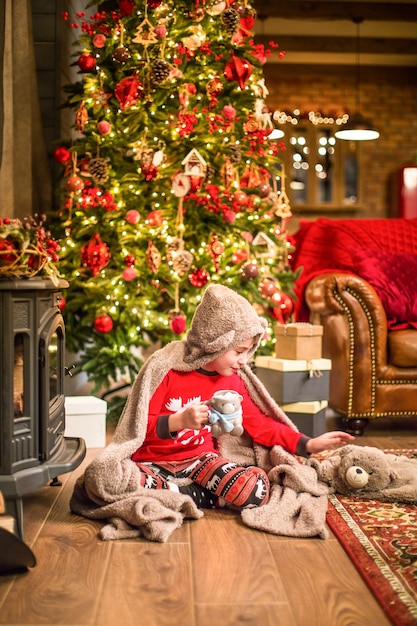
[(374, 370)]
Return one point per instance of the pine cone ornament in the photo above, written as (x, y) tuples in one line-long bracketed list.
[(231, 20), (99, 170), (181, 262), (234, 153), (160, 71)]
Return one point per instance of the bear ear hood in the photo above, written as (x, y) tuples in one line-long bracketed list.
[(222, 320)]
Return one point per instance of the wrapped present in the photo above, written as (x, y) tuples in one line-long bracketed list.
[(290, 380), (299, 341), (309, 417)]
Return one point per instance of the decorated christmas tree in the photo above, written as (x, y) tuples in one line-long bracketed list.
[(171, 180)]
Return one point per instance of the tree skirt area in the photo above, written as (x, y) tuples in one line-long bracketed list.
[(381, 540)]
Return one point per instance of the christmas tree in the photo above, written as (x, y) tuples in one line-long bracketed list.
[(170, 178)]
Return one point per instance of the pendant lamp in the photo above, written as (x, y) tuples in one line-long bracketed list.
[(357, 128)]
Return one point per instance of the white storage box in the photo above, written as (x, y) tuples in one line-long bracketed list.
[(85, 417)]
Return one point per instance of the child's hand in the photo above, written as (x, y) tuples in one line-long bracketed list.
[(328, 440), (194, 417)]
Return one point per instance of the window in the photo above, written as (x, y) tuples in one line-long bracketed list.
[(321, 171)]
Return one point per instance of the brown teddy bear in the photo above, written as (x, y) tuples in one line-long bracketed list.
[(366, 472)]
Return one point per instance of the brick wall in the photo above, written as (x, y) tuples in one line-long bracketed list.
[(388, 96)]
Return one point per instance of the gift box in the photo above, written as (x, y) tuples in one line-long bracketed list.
[(299, 341), (309, 417), (85, 417), (290, 380)]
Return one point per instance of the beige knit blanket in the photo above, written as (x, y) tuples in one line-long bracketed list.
[(110, 488)]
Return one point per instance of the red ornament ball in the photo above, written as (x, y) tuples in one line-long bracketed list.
[(263, 190), (132, 216), (126, 7), (160, 31), (229, 216), (62, 154), (104, 127), (62, 303), (267, 288), (74, 184), (240, 197), (103, 324), (86, 62), (199, 278), (129, 260), (239, 256), (178, 324), (99, 40), (129, 274), (155, 218), (250, 271)]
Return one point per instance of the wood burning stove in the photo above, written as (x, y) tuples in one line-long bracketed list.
[(33, 448)]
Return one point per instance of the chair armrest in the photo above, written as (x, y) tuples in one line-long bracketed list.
[(354, 335)]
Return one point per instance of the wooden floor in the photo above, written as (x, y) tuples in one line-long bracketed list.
[(212, 572)]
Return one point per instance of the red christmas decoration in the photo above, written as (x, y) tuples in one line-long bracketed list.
[(126, 7), (129, 274), (239, 256), (155, 218), (86, 62), (250, 271), (283, 307), (74, 184), (99, 40), (62, 154), (95, 254), (268, 288), (130, 260), (128, 90), (199, 278), (237, 69), (103, 324), (7, 254), (178, 324), (104, 127), (132, 216)]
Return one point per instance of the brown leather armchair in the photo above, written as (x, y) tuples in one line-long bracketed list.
[(374, 370)]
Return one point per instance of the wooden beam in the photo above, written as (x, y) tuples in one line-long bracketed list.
[(340, 44), (373, 11)]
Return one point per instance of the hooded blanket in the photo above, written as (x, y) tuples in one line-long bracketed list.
[(110, 488)]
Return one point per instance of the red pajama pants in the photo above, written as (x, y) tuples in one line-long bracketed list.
[(243, 487)]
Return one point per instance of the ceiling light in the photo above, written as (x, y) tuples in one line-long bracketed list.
[(357, 128)]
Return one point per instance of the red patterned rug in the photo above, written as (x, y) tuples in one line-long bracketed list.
[(381, 540)]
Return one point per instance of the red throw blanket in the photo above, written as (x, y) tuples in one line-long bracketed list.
[(382, 251)]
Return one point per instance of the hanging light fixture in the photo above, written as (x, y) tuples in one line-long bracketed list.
[(357, 128)]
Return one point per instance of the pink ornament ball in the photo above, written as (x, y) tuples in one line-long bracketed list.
[(132, 216), (104, 127), (129, 274), (229, 216), (103, 324), (178, 324), (160, 31), (99, 40), (229, 112)]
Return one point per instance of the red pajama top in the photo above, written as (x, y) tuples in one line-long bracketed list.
[(180, 389)]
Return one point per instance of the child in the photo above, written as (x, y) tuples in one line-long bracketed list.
[(163, 452), (224, 333)]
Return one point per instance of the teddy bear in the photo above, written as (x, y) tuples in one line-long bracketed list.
[(225, 414), (368, 472)]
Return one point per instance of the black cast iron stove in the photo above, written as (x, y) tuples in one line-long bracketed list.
[(33, 449)]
